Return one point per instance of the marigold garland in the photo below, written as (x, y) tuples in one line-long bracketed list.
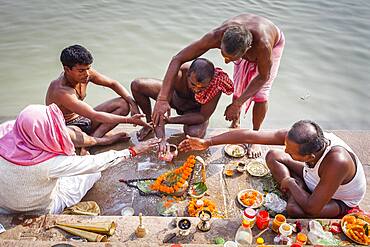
[(178, 177), (194, 208)]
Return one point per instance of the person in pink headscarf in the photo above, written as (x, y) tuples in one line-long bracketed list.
[(39, 170)]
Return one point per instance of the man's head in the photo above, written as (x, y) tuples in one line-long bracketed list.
[(200, 73), (304, 140), (76, 62), (235, 42)]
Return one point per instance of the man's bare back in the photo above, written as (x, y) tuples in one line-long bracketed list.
[(265, 33)]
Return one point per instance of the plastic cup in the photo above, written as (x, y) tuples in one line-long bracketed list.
[(127, 211), (230, 244)]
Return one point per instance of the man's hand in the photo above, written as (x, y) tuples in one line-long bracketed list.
[(146, 145), (232, 112), (162, 148), (136, 120), (134, 109), (160, 108), (193, 143)]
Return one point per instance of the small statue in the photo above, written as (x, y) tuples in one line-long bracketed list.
[(140, 230)]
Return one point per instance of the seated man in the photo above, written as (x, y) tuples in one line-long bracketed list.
[(322, 176), (39, 170), (69, 90), (196, 92)]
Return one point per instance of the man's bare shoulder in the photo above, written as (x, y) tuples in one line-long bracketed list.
[(58, 91), (338, 158)]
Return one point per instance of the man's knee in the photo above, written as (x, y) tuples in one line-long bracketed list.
[(294, 210), (272, 156), (136, 85), (194, 132), (139, 85), (123, 108)]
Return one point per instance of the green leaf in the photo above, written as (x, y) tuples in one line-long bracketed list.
[(199, 188), (144, 185), (366, 227)]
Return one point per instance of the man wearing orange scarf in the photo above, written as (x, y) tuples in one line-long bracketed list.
[(195, 95)]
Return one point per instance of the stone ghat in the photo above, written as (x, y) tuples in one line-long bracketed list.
[(112, 196), (37, 231)]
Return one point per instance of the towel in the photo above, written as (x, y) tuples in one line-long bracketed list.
[(245, 71), (220, 82)]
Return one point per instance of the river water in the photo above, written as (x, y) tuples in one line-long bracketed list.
[(324, 74)]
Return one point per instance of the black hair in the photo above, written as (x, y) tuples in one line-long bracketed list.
[(75, 54), (203, 68), (236, 40), (308, 135)]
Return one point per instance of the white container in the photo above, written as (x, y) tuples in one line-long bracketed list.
[(249, 214), (286, 230), (244, 234)]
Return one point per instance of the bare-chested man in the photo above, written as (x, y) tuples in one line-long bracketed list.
[(198, 87), (69, 90), (320, 173), (255, 45)]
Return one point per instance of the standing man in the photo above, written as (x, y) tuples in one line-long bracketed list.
[(69, 90), (256, 45), (197, 89)]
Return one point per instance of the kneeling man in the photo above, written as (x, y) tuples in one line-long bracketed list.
[(197, 89), (320, 173)]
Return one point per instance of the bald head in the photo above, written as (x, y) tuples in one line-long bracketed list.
[(308, 135), (203, 68)]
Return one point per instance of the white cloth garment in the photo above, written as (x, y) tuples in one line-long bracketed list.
[(52, 185), (351, 193)]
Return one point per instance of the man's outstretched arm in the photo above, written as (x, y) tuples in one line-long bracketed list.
[(240, 136), (102, 80)]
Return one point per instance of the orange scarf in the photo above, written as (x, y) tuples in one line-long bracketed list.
[(220, 82)]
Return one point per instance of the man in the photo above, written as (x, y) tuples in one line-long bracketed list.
[(195, 94), (38, 168), (69, 90), (321, 175), (255, 44)]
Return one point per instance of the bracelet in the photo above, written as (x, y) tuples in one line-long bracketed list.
[(132, 151), (160, 99)]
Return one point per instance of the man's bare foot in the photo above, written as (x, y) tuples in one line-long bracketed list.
[(111, 139), (119, 137), (143, 133), (254, 151), (235, 124), (84, 151)]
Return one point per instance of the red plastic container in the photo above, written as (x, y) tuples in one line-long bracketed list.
[(262, 220)]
